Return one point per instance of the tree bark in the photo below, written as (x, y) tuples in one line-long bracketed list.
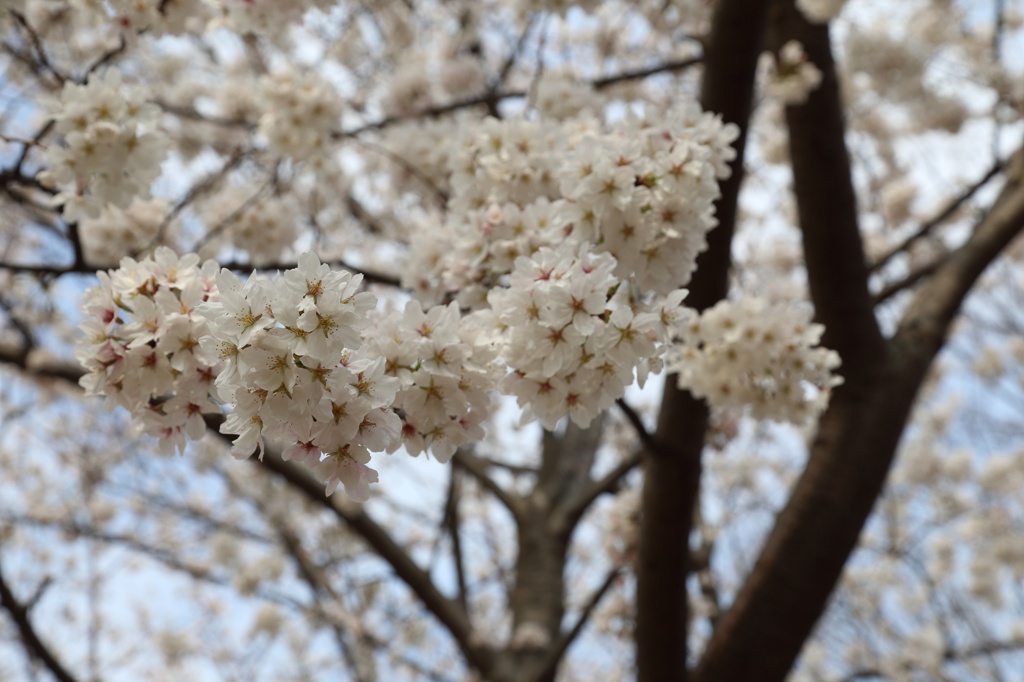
[(799, 567), (672, 477)]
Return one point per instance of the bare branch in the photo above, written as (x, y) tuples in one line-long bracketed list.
[(477, 468), (448, 611), (487, 98), (557, 651), (934, 307), (909, 280), (236, 266), (606, 484), (646, 437), (104, 59), (42, 59), (452, 522), (35, 646), (942, 216)]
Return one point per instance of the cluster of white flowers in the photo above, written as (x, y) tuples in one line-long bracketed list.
[(265, 228), (119, 231), (266, 17), (645, 193), (292, 372), (169, 340), (642, 192), (791, 77), (141, 346), (446, 375), (302, 111), (112, 150), (572, 336), (158, 16), (752, 353)]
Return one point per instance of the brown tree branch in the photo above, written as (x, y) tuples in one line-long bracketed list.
[(788, 589), (672, 481), (942, 216), (933, 309), (446, 610), (490, 98), (557, 651), (453, 523), (908, 280), (35, 646), (477, 468), (761, 634), (826, 204), (369, 277)]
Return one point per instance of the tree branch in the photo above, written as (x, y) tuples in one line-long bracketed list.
[(36, 648), (788, 589), (942, 216), (933, 309), (446, 610), (822, 181), (238, 266), (452, 522), (488, 98), (606, 484), (477, 468), (672, 481), (565, 640)]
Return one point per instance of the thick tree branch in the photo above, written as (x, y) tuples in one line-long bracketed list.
[(837, 272), (672, 481), (788, 589)]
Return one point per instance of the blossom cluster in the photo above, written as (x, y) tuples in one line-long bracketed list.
[(792, 77), (302, 111), (642, 192), (112, 149), (168, 340), (141, 345), (292, 372), (446, 372), (573, 337), (756, 354), (117, 230)]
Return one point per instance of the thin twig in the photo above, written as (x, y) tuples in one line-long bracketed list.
[(942, 216), (557, 651)]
